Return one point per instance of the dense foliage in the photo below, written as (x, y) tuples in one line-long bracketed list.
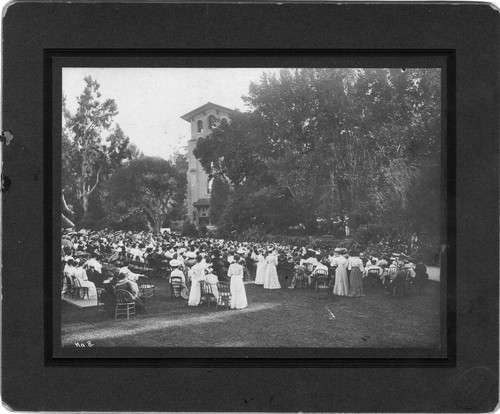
[(106, 180), (151, 186), (318, 143)]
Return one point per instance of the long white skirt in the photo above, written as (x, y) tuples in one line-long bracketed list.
[(238, 293), (341, 287), (261, 273), (195, 293), (271, 280), (213, 279)]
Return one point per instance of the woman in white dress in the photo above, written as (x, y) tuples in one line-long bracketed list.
[(271, 280), (261, 269), (197, 273), (341, 287), (238, 293), (81, 274), (69, 271)]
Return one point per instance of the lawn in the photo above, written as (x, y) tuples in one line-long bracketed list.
[(274, 318)]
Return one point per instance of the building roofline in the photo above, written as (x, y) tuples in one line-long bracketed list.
[(202, 202), (187, 117)]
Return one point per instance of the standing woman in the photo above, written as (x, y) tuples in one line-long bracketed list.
[(238, 293), (197, 273), (261, 268), (355, 265), (271, 280), (341, 287)]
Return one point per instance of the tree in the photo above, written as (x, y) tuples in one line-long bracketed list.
[(91, 149), (218, 198), (180, 163), (329, 142), (151, 186), (231, 150), (290, 109), (339, 138), (118, 150)]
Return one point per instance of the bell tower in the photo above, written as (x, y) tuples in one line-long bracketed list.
[(202, 120)]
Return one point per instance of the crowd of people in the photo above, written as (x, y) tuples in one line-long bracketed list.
[(106, 259)]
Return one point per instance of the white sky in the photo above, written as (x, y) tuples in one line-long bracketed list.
[(151, 100)]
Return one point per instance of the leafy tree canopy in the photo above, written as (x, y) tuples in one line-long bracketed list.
[(152, 186), (93, 147)]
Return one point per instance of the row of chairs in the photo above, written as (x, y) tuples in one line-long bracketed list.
[(224, 294), (76, 290), (323, 286), (207, 295), (125, 304)]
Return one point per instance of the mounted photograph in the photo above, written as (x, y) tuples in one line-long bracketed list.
[(252, 207)]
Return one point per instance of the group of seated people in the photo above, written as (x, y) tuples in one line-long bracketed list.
[(94, 257), (91, 274), (208, 269)]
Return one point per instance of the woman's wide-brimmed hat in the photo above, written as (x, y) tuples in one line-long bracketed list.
[(174, 263)]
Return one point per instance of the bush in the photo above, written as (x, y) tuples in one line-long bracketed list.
[(203, 230), (176, 226), (89, 222), (136, 222), (189, 229), (253, 234), (371, 233)]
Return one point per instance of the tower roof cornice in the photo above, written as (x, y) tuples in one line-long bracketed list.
[(209, 105)]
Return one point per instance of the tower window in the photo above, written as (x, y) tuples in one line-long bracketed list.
[(211, 121), (200, 126)]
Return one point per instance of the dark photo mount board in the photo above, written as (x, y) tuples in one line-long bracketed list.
[(37, 37)]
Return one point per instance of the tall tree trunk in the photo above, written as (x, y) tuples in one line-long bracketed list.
[(85, 203), (158, 223)]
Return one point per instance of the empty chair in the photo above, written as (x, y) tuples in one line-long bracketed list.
[(224, 294), (146, 289), (322, 286), (125, 304), (206, 293)]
